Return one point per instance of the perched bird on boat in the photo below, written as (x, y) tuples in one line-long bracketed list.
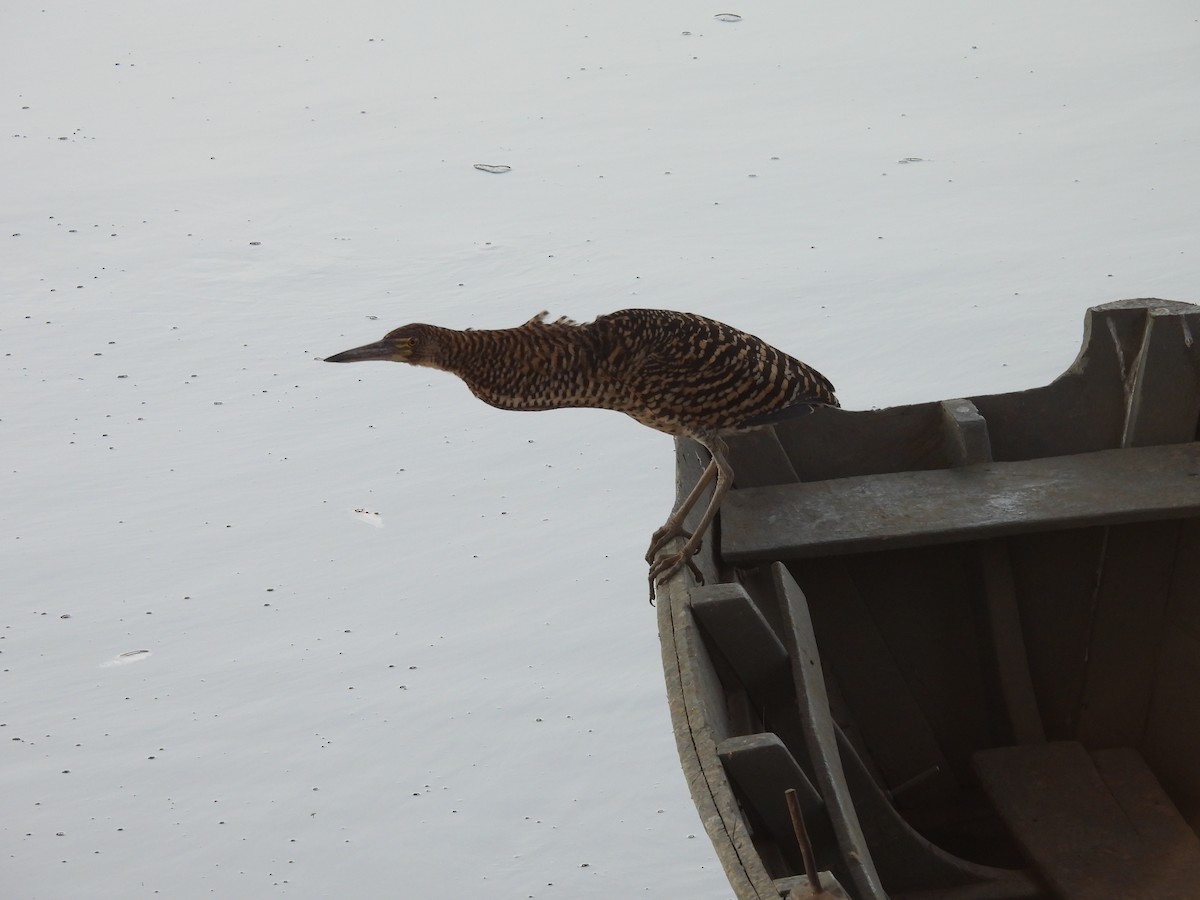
[(674, 371)]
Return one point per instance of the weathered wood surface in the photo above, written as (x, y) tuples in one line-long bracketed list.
[(694, 702), (1094, 826), (797, 887), (697, 706), (737, 628), (763, 768), (1044, 587), (1135, 350), (820, 735), (907, 509)]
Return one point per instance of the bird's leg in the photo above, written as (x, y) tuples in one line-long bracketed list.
[(664, 568), (655, 581), (673, 527)]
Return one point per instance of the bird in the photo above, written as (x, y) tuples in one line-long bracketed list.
[(676, 372)]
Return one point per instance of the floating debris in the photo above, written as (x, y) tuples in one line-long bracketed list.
[(371, 518), (727, 17), (495, 170), (127, 657), (911, 159)]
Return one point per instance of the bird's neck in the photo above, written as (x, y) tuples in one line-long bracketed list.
[(458, 352), (534, 366)]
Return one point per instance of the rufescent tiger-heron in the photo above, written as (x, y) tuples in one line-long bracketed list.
[(676, 372)]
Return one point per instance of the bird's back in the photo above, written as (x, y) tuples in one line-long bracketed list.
[(677, 372), (687, 374)]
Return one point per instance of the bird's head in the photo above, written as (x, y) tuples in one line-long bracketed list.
[(416, 344)]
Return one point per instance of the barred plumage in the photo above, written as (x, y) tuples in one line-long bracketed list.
[(677, 372)]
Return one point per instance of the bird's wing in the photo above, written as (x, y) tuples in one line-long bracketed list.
[(540, 319)]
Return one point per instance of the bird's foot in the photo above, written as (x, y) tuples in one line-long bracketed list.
[(662, 537), (663, 568)]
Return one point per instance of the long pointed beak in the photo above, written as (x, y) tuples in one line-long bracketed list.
[(377, 350)]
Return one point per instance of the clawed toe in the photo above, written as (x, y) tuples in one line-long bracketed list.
[(661, 538), (663, 568)]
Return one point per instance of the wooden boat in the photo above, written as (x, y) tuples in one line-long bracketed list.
[(966, 634)]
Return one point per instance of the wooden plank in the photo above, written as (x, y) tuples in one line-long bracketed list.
[(688, 674), (763, 769), (1064, 819), (1173, 735), (832, 443), (736, 627), (967, 443), (1169, 848), (1127, 634), (966, 431), (1150, 811), (1092, 833), (1055, 576), (859, 812), (1085, 408), (1184, 608), (906, 509), (1165, 395), (1082, 411), (821, 737), (1010, 889), (758, 459), (796, 887), (893, 726), (1008, 644)]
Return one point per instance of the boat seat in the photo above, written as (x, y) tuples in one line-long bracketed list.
[(1092, 824)]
